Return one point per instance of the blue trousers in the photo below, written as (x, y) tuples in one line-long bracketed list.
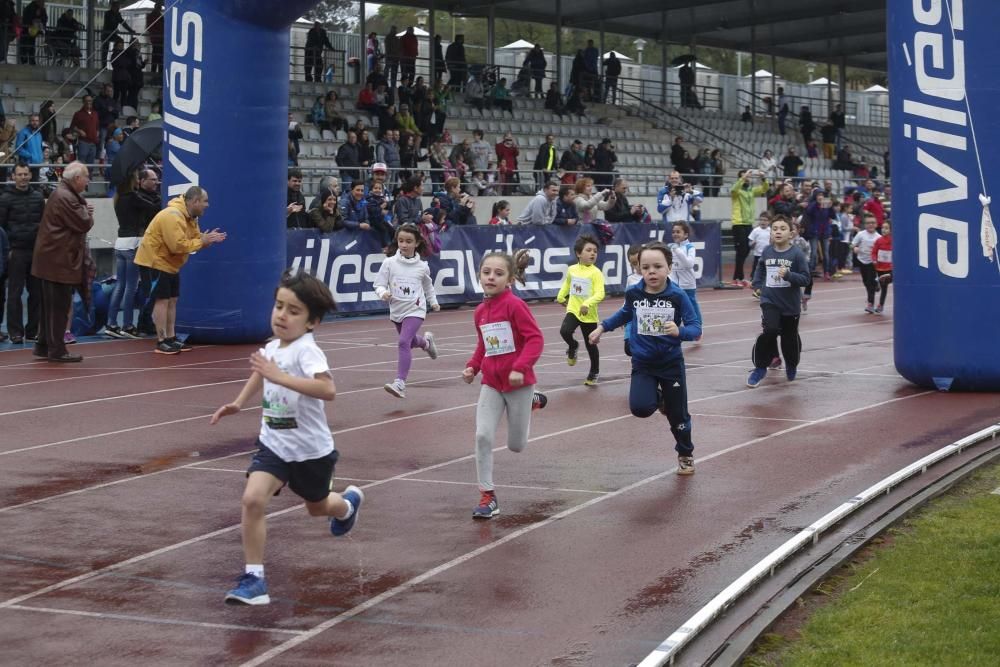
[(643, 399)]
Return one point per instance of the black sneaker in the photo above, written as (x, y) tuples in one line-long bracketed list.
[(165, 347), (181, 347), (113, 331), (571, 356), (131, 333), (538, 401)]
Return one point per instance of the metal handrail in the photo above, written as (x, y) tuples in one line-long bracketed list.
[(846, 138), (694, 126)]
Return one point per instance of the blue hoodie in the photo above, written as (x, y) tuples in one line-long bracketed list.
[(656, 350)]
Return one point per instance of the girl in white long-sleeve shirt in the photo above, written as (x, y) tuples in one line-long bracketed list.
[(404, 281), (682, 271)]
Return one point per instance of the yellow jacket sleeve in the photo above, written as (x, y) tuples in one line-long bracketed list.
[(597, 282), (176, 239), (564, 290)]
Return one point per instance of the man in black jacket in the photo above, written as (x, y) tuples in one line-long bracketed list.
[(612, 70), (316, 41), (298, 217), (349, 158), (21, 207)]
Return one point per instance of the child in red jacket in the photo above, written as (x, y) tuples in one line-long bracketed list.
[(882, 256), (508, 343)]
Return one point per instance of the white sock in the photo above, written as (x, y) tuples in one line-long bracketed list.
[(256, 570), (350, 510)]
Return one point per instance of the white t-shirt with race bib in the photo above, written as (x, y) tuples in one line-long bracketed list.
[(294, 426)]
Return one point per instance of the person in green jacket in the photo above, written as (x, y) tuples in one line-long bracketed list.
[(742, 194)]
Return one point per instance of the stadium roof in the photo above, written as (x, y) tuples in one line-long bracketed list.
[(816, 30)]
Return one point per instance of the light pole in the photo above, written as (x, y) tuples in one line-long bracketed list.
[(640, 45)]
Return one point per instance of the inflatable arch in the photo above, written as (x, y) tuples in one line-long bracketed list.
[(225, 128), (946, 267)]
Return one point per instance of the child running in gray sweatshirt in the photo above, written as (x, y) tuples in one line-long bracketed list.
[(780, 274)]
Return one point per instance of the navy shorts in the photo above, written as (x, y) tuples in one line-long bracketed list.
[(308, 479), (162, 285)]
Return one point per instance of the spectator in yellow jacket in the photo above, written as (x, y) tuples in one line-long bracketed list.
[(171, 236), (743, 194)]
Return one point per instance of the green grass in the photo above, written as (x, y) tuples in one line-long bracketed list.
[(929, 594)]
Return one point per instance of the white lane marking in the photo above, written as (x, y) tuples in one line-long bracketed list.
[(766, 419), (228, 529), (159, 621), (444, 567), (103, 485)]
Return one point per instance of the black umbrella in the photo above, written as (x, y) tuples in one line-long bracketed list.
[(682, 59), (136, 150)]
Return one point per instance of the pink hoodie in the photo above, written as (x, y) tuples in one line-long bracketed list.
[(528, 341)]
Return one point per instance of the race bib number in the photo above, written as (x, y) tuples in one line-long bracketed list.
[(650, 321), (774, 280), (406, 289), (280, 408), (884, 256), (579, 287), (498, 338)]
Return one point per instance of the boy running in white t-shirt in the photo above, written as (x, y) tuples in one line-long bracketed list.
[(295, 446)]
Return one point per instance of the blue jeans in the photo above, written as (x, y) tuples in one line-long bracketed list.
[(126, 279), (815, 243), (86, 152)]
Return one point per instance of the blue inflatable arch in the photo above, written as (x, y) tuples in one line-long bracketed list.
[(944, 97), (225, 128)]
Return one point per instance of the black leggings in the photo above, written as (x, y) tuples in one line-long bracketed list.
[(869, 279), (741, 238), (775, 324), (885, 279), (569, 325)]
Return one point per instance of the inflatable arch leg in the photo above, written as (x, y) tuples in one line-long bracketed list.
[(946, 267), (225, 128)]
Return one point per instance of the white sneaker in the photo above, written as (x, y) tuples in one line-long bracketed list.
[(397, 388), (431, 349)]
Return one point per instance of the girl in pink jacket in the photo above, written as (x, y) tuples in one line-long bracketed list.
[(508, 343)]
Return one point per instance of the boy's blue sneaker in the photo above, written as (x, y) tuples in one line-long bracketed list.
[(790, 373), (488, 506), (355, 496), (250, 589), (756, 375)]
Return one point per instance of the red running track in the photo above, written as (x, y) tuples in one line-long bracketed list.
[(119, 505)]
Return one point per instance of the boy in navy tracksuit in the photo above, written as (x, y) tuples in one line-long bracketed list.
[(663, 316), (781, 273)]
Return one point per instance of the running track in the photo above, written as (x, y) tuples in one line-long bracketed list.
[(119, 505)]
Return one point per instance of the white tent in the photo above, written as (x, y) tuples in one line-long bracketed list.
[(620, 56), (877, 89), (519, 44), (142, 5), (419, 32), (822, 81), (760, 74)]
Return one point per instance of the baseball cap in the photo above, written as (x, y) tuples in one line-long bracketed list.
[(380, 166)]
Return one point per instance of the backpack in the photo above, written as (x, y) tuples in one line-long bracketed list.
[(604, 231)]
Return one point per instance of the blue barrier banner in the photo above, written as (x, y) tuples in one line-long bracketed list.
[(946, 267), (348, 261)]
